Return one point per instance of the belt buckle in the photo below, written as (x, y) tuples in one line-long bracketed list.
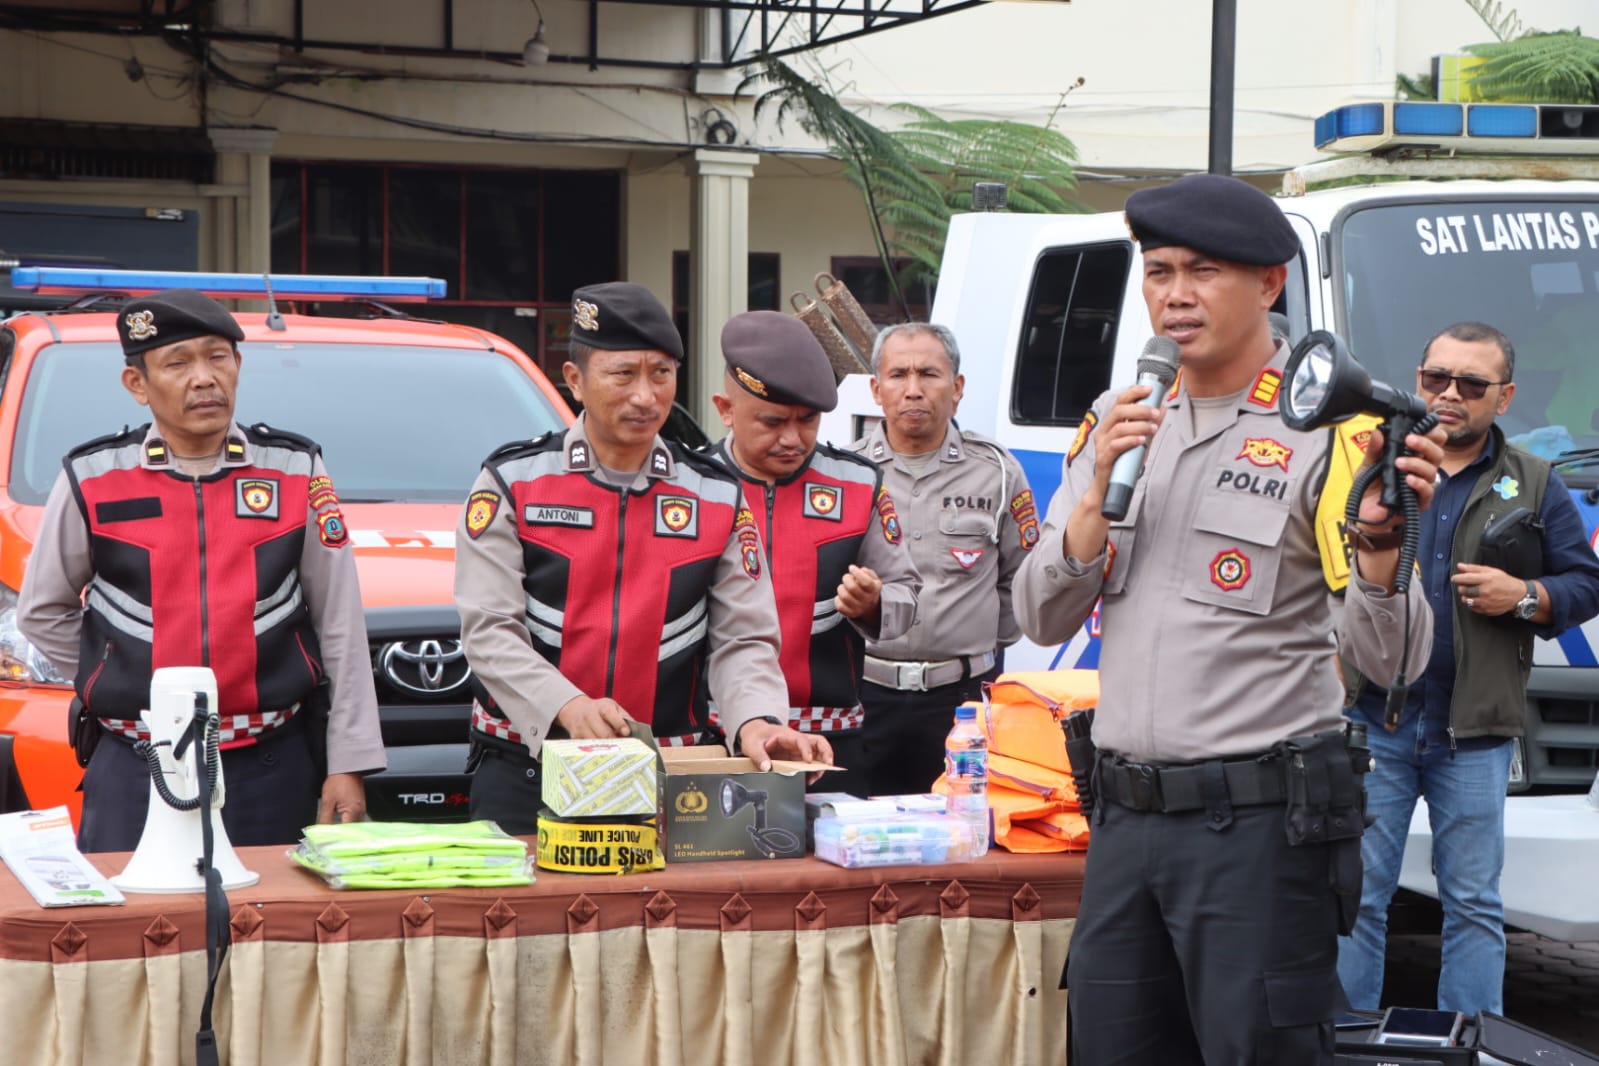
[(1145, 783), (913, 677)]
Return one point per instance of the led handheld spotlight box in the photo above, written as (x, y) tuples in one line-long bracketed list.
[(717, 807)]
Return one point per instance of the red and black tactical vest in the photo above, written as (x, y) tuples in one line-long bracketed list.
[(196, 572), (617, 581), (812, 525)]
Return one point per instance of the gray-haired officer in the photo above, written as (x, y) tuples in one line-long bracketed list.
[(835, 550), (177, 530), (1209, 917), (602, 573), (968, 517)]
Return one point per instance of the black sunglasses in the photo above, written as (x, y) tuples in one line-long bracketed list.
[(1470, 388)]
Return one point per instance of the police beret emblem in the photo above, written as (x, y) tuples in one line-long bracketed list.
[(141, 325), (750, 381), (585, 315)]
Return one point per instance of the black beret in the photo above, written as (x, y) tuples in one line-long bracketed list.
[(1214, 214), (173, 316), (619, 316), (777, 357)]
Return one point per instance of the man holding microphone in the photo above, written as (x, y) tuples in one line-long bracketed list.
[(1205, 933)]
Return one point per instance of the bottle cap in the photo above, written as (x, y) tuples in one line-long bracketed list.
[(964, 713)]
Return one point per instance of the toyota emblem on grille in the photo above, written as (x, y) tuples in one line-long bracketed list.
[(425, 667)]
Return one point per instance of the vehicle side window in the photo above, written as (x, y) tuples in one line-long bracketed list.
[(1068, 335)]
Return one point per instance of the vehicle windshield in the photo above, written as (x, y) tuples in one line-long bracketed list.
[(1530, 268), (395, 422)]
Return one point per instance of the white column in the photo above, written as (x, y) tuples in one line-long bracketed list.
[(244, 234), (719, 251)]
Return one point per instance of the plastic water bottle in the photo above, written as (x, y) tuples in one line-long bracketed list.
[(966, 771)]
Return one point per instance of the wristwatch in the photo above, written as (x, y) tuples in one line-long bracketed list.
[(1527, 606)]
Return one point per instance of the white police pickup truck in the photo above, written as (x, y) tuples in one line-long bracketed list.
[(1049, 314)]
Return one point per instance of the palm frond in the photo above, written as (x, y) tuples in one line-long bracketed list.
[(1559, 67), (915, 177), (1506, 25)]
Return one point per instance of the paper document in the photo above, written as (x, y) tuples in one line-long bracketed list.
[(42, 851)]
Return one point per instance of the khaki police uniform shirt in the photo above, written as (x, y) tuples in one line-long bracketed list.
[(1219, 636), (744, 676), (50, 612), (969, 520)]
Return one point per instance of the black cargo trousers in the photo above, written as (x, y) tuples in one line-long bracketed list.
[(1203, 936)]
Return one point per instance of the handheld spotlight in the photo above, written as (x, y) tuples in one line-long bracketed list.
[(1326, 384), (771, 841)]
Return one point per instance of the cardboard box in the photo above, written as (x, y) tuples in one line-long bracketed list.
[(717, 807), (591, 778)]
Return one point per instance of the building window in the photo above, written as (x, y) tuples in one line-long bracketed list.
[(867, 281), (764, 271), (511, 245), (1068, 335)]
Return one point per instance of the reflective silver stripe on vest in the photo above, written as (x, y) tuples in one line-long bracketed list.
[(278, 606), (824, 616), (684, 632), (539, 613), (121, 611)]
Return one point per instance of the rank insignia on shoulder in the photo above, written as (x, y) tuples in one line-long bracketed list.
[(954, 451), (879, 450), (156, 454), (1229, 570), (1176, 384), (332, 529), (1263, 393), (821, 501), (660, 462), (675, 517), (887, 517), (1085, 429), (481, 507), (255, 498), (577, 455), (234, 452)]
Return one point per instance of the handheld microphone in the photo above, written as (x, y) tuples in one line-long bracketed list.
[(1157, 367)]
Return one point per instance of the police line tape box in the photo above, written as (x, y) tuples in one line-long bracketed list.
[(603, 777), (718, 807)]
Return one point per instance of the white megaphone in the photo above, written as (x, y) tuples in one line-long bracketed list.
[(168, 857)]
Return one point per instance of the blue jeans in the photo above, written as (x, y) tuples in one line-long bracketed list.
[(1465, 795)]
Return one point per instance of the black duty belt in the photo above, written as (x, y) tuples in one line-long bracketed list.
[(1172, 789)]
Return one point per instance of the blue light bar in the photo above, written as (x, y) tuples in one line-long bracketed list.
[(1326, 129), (71, 280), (1501, 120), (1428, 120), (1359, 120)]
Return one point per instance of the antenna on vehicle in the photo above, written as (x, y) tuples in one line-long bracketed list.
[(274, 320)]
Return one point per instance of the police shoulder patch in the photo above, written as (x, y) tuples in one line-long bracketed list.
[(481, 507), (1026, 517), (331, 528), (1230, 570), (1085, 429), (888, 518), (749, 541)]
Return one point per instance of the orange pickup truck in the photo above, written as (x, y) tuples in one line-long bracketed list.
[(405, 411)]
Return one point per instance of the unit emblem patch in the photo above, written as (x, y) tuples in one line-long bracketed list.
[(887, 517), (674, 517), (256, 498), (821, 501), (1229, 571), (967, 557), (1085, 429), (481, 507), (330, 525)]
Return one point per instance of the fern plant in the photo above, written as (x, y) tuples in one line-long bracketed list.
[(1560, 67), (914, 178)]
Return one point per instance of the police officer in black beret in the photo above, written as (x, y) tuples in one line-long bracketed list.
[(178, 529), (604, 574), (841, 570), (1224, 853)]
